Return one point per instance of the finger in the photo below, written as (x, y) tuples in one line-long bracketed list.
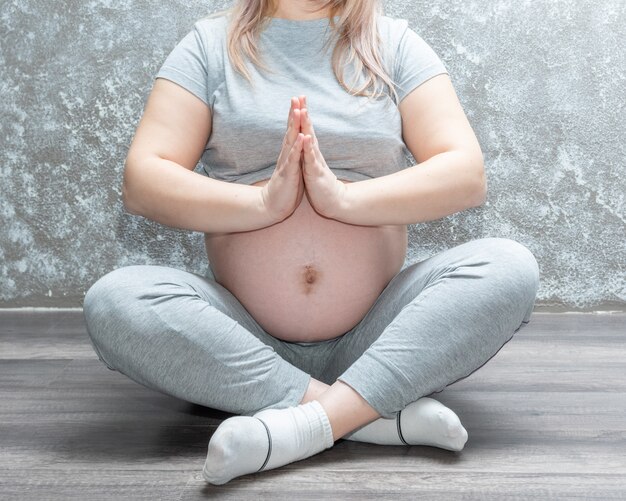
[(293, 129), (295, 152), (303, 105), (308, 151), (294, 104), (307, 125), (295, 124)]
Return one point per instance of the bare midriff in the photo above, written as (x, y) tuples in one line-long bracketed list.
[(308, 277)]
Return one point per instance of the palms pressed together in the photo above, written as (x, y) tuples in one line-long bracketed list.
[(301, 169)]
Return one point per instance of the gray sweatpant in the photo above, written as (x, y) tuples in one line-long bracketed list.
[(437, 321)]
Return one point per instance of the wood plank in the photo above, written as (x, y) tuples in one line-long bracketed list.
[(46, 334), (545, 417), (365, 484), (51, 484)]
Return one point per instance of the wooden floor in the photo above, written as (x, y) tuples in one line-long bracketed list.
[(546, 419)]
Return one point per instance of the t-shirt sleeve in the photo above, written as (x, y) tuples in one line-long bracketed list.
[(415, 62), (189, 66)]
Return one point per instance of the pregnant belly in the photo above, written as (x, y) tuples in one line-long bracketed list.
[(307, 278)]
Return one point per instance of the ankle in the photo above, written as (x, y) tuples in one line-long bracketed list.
[(346, 409), (314, 390)]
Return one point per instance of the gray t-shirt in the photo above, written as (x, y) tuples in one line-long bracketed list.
[(359, 138)]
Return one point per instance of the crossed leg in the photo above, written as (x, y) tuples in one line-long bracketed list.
[(436, 322)]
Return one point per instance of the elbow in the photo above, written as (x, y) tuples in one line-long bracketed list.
[(472, 167), (479, 186), (126, 201), (480, 191), (128, 197)]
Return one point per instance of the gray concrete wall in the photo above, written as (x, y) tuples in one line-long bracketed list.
[(543, 83)]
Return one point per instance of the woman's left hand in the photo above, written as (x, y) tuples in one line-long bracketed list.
[(324, 191)]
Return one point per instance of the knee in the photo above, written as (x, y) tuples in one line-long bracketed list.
[(109, 289), (110, 306), (113, 294), (518, 264)]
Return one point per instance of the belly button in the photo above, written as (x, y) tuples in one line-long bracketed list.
[(310, 277)]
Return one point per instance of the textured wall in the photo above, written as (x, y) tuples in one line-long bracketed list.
[(543, 83)]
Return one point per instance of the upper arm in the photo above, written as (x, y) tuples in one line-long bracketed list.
[(175, 125), (433, 121)]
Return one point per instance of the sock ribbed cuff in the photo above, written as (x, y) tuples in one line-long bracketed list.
[(299, 432), (320, 413)]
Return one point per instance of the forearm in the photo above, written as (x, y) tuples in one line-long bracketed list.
[(166, 192), (442, 185)]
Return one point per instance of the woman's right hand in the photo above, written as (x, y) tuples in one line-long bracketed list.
[(285, 189)]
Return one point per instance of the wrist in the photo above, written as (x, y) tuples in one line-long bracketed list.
[(342, 206), (266, 216)]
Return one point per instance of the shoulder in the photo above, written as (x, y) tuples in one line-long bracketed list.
[(391, 30), (393, 23), (398, 35), (212, 21), (212, 30), (406, 43)]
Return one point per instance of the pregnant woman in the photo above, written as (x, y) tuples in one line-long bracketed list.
[(306, 325)]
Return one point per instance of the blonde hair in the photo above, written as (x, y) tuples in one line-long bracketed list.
[(356, 34)]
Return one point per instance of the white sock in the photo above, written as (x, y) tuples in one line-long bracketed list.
[(423, 422), (266, 440)]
